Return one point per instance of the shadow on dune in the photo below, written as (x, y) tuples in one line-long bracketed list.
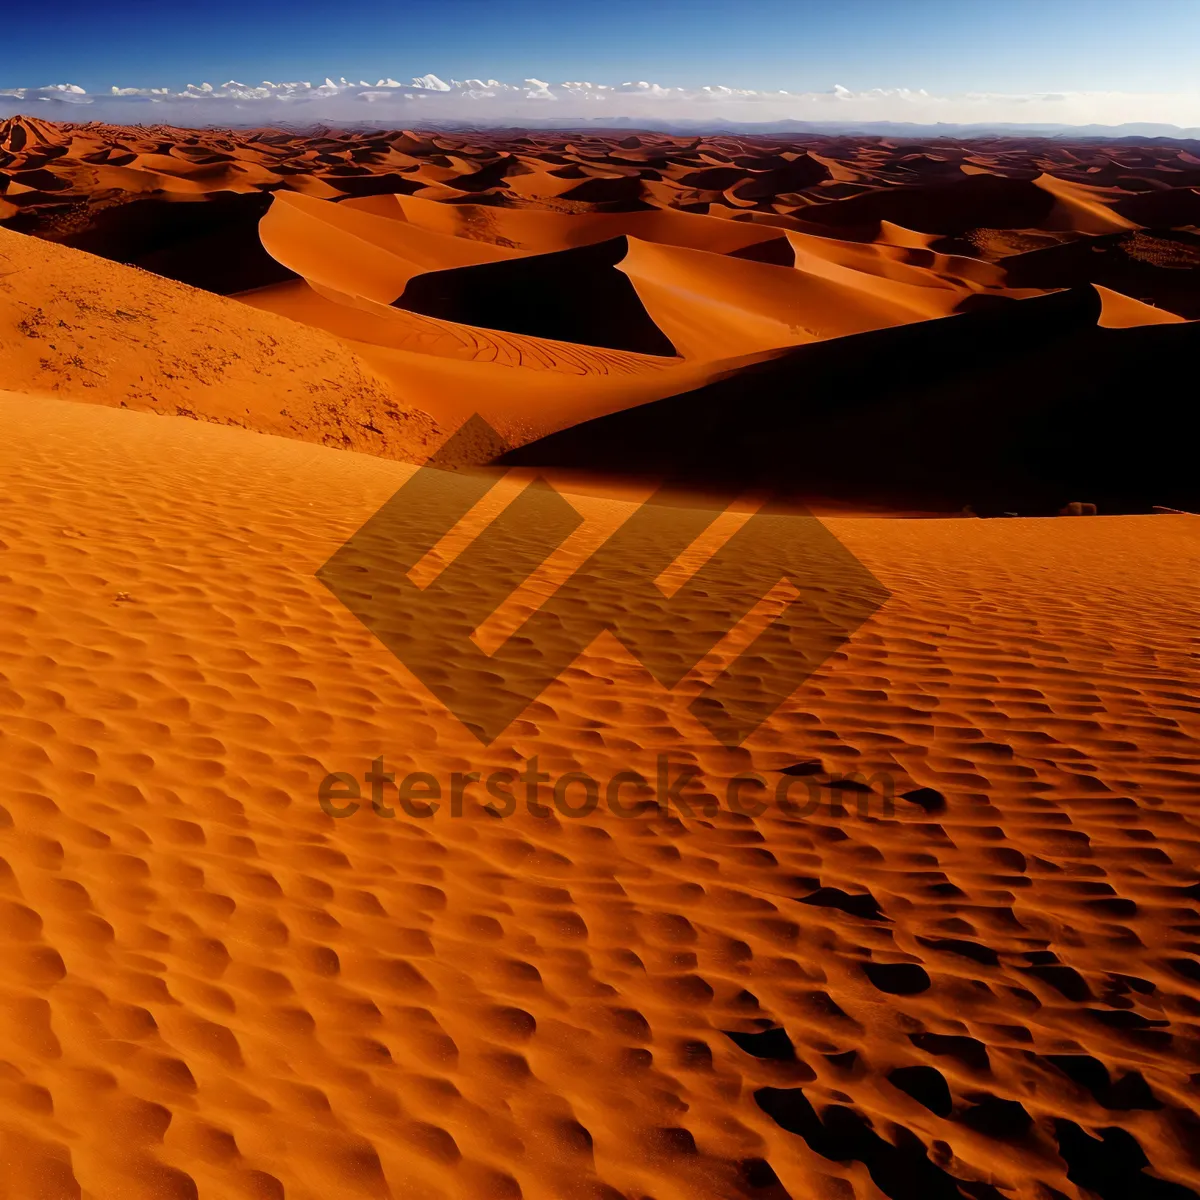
[(950, 208), (1175, 206), (622, 191), (1019, 406), (211, 243), (801, 172), (389, 184), (574, 295), (1162, 266)]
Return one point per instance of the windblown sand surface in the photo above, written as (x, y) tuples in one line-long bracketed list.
[(973, 971)]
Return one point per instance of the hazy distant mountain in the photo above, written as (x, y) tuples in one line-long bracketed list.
[(1129, 131)]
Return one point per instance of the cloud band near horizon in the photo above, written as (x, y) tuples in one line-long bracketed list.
[(476, 101)]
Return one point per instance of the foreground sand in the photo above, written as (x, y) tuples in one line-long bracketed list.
[(213, 988)]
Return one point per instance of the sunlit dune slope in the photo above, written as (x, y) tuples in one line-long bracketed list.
[(712, 304), (533, 230), (359, 252), (89, 329)]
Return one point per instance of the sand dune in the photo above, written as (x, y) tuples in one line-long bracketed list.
[(523, 386), (365, 214), (269, 1001), (1082, 208), (576, 295), (711, 304), (82, 327), (538, 231), (215, 245), (895, 260), (1120, 312), (1162, 270), (1017, 407), (358, 252), (458, 295), (954, 955)]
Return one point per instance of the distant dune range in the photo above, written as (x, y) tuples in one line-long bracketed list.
[(547, 280), (964, 965)]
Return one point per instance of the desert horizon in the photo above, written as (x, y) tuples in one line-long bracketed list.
[(601, 661)]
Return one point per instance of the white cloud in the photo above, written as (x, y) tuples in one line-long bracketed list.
[(478, 101)]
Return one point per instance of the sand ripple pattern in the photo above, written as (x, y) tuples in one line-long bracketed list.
[(213, 989)]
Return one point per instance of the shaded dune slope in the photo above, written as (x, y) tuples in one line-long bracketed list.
[(574, 295), (1025, 406), (1163, 268), (979, 200), (214, 244)]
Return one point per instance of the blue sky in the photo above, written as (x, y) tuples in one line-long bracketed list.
[(944, 46)]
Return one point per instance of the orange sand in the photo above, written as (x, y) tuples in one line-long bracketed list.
[(216, 989)]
